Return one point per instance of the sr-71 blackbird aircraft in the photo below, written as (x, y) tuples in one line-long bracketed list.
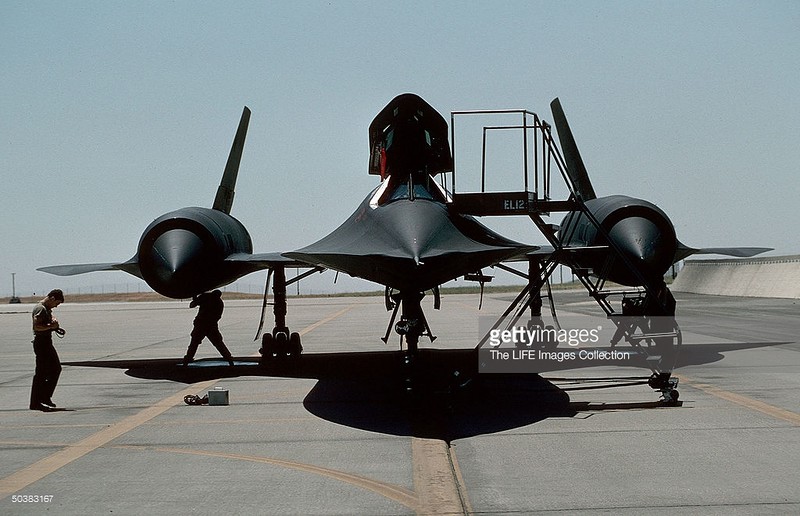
[(411, 235)]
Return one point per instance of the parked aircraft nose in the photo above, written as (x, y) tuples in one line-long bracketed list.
[(649, 248), (417, 228)]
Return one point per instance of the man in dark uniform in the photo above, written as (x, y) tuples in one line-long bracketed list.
[(48, 365), (205, 325)]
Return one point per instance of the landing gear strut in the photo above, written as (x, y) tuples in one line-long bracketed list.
[(281, 343), (412, 324)]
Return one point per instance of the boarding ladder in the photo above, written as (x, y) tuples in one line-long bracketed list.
[(539, 155)]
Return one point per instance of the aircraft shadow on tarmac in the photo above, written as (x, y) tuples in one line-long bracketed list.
[(442, 397)]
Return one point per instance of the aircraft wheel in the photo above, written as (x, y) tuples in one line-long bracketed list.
[(267, 347), (295, 348), (281, 345)]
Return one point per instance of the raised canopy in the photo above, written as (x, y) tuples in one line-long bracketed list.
[(409, 136)]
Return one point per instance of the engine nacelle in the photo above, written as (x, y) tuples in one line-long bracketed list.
[(638, 228), (182, 253)]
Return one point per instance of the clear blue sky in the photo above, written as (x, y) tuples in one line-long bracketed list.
[(116, 112)]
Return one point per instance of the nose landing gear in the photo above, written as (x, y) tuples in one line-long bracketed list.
[(411, 326)]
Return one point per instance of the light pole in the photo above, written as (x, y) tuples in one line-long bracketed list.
[(14, 298)]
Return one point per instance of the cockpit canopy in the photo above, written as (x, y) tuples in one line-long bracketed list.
[(411, 187), (408, 136)]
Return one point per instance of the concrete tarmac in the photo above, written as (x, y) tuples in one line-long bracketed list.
[(337, 433)]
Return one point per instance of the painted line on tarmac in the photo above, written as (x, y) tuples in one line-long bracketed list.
[(314, 326), (393, 492), (745, 401), (331, 317), (40, 469), (28, 475)]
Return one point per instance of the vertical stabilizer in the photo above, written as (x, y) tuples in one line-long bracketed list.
[(575, 168), (224, 199)]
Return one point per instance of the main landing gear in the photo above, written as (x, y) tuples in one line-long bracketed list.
[(280, 344), (648, 324), (666, 385)]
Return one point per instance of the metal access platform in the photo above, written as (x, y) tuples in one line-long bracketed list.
[(538, 157), (538, 154), (531, 176)]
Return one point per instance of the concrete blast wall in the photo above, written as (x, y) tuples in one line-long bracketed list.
[(754, 277)]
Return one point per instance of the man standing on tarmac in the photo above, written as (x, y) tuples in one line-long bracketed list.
[(48, 365), (205, 325)]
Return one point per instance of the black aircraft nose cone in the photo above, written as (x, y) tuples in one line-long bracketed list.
[(174, 250), (648, 247), (416, 228), (174, 262)]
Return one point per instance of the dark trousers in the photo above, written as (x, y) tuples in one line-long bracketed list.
[(212, 332), (48, 369)]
